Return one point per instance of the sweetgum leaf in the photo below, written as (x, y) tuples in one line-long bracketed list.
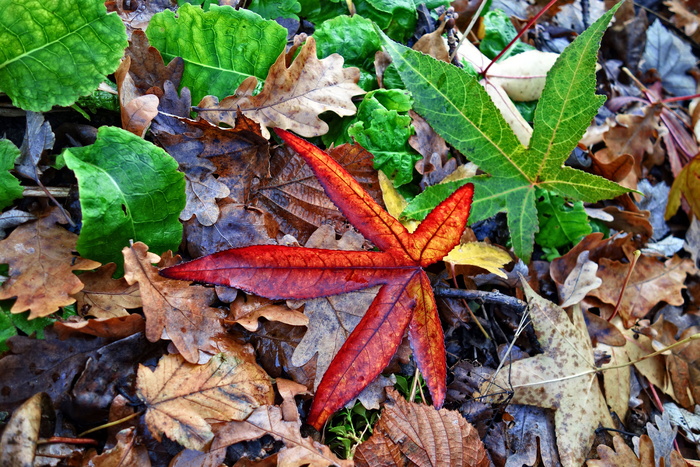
[(129, 190), (458, 108), (10, 189), (214, 65), (51, 53)]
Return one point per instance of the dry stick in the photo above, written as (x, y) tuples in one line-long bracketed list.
[(64, 440), (110, 424), (637, 253), (481, 296)]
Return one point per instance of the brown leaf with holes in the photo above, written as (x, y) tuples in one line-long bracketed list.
[(128, 451), (297, 451), (137, 110), (247, 309), (562, 378), (104, 297), (292, 98), (182, 399), (652, 281), (173, 307), (295, 198), (425, 436), (41, 259)]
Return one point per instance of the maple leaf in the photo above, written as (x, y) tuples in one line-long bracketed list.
[(405, 299), (41, 259), (461, 111), (182, 399), (292, 98), (563, 378)]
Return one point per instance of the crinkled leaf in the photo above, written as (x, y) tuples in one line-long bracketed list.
[(671, 57), (51, 53), (220, 47), (404, 300), (292, 97), (396, 17), (182, 399), (10, 189), (129, 190), (269, 9), (458, 108), (560, 224), (499, 31)]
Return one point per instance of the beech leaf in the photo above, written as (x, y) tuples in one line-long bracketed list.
[(405, 300), (41, 259), (459, 109), (563, 378), (182, 399), (292, 98)]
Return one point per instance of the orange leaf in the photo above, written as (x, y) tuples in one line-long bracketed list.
[(274, 271)]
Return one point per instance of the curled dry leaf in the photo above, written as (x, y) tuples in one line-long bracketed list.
[(247, 309), (292, 98), (19, 439), (104, 297), (267, 420), (182, 399), (128, 451), (41, 259), (687, 183), (563, 378), (117, 327), (581, 280), (424, 435), (174, 307), (137, 110)]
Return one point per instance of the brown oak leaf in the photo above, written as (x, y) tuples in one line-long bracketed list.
[(174, 307), (247, 309), (137, 110), (104, 297), (424, 435), (42, 260), (292, 98), (128, 451), (182, 399)]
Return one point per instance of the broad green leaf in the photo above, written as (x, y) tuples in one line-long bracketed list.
[(499, 31), (383, 127), (273, 9), (10, 189), (52, 52), (220, 47), (129, 190), (560, 224), (395, 17), (317, 12), (458, 108)]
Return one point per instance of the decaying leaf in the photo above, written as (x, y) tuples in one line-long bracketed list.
[(173, 308), (41, 259), (563, 378), (104, 297), (111, 328), (424, 436), (247, 309), (292, 98), (137, 110), (182, 399), (202, 191), (687, 183), (581, 280), (642, 456), (128, 451), (19, 439), (268, 420)]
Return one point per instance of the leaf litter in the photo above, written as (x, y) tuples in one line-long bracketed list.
[(205, 368)]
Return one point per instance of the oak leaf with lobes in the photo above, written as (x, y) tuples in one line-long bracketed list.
[(405, 299)]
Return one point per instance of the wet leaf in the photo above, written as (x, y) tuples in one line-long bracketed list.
[(182, 399)]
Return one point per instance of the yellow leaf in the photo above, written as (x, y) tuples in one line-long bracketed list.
[(479, 254), (394, 202), (686, 183)]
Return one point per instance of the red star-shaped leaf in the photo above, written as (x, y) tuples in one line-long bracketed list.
[(405, 300)]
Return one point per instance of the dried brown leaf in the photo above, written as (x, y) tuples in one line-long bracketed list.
[(247, 309), (634, 135), (41, 259), (433, 45), (292, 98), (19, 439), (652, 282), (563, 378), (425, 436), (580, 281), (148, 70), (110, 328), (127, 452), (202, 191), (137, 110), (623, 455), (267, 420), (104, 297), (174, 307), (182, 399)]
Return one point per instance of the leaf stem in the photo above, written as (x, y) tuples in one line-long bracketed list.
[(111, 424), (637, 253), (522, 31)]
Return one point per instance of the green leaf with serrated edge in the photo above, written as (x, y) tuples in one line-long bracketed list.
[(10, 189), (220, 47), (560, 224), (273, 9), (129, 190), (51, 53), (458, 108)]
